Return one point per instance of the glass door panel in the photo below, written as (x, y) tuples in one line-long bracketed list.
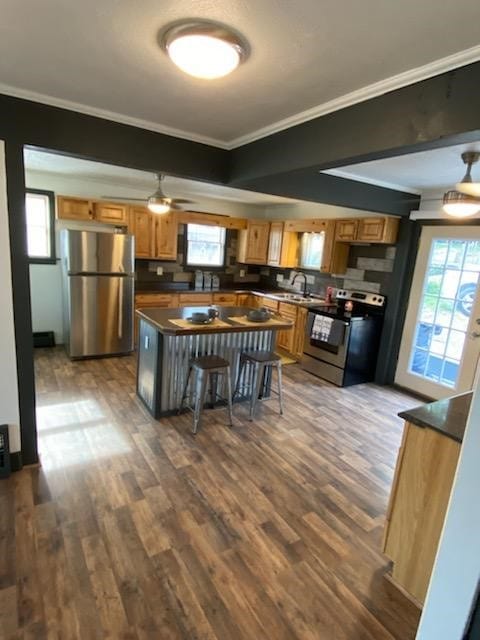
[(442, 313)]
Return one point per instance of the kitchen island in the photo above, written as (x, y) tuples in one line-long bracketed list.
[(167, 343), (421, 488)]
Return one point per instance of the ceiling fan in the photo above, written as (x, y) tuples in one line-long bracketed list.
[(158, 202)]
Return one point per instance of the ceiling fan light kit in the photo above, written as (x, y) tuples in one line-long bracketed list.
[(203, 49), (464, 200)]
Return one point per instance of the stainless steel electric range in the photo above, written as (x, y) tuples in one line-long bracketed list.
[(341, 343)]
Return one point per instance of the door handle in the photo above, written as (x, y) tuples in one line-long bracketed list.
[(120, 309)]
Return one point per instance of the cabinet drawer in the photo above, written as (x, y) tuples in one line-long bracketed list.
[(111, 213), (225, 298), (287, 310), (195, 298), (154, 299), (270, 304)]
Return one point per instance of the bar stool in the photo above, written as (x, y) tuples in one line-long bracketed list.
[(261, 362), (207, 368)]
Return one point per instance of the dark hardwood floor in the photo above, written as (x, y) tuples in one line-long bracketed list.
[(133, 528)]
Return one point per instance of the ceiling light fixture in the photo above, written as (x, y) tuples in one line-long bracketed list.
[(467, 185), (204, 49), (158, 202), (464, 200), (460, 205)]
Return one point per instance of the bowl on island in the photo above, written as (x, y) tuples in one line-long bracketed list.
[(259, 315), (200, 317)]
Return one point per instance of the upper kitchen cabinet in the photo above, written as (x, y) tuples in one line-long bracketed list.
[(253, 242), (165, 236), (381, 230), (141, 227), (74, 208), (111, 213), (283, 246), (318, 248)]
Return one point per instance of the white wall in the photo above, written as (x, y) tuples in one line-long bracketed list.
[(9, 411), (457, 566)]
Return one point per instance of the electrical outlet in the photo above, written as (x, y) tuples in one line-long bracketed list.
[(242, 273), (279, 277), (159, 271)]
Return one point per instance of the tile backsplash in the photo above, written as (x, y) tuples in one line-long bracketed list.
[(369, 269)]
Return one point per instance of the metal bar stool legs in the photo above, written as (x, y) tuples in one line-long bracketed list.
[(207, 369), (260, 362)]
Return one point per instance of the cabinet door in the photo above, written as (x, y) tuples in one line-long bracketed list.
[(346, 230), (74, 208), (111, 212), (275, 244), (257, 242), (243, 300), (195, 299), (141, 221), (165, 236), (272, 305), (286, 337), (371, 229), (300, 326)]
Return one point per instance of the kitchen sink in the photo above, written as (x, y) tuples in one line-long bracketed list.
[(295, 297)]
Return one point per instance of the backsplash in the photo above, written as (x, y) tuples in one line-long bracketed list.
[(176, 275), (369, 269)]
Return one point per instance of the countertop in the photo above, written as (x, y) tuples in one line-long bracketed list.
[(160, 319), (447, 416), (280, 295)]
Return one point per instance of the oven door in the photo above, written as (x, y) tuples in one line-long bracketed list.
[(326, 338)]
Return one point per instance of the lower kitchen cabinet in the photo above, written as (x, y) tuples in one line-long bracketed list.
[(286, 337), (225, 299), (153, 300), (300, 328)]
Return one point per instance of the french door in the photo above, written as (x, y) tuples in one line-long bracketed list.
[(440, 345)]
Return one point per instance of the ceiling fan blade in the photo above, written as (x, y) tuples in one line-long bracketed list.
[(470, 188), (182, 201)]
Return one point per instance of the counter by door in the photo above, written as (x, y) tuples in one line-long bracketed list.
[(167, 343)]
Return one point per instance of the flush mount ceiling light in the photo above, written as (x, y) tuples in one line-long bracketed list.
[(464, 200), (204, 49)]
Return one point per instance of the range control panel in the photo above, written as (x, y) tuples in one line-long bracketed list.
[(373, 299)]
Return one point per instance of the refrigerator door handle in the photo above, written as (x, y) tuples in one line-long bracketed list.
[(120, 309)]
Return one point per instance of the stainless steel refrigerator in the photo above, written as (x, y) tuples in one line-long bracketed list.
[(98, 274)]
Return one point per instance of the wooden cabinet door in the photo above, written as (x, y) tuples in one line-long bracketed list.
[(195, 299), (141, 224), (346, 230), (165, 236), (286, 337), (111, 213), (371, 229), (271, 305), (275, 244), (74, 208), (300, 326), (257, 242)]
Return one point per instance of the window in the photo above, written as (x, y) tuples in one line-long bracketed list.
[(311, 252), (39, 207), (205, 245)]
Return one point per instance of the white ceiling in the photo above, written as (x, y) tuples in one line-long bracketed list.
[(307, 58), (142, 182), (415, 172)]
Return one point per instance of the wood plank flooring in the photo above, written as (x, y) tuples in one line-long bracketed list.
[(135, 529)]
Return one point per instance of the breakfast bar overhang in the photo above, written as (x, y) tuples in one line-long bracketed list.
[(167, 342)]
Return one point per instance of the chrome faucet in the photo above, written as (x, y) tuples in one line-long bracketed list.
[(300, 273)]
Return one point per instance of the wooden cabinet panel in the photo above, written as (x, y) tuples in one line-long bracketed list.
[(152, 300), (282, 246), (165, 238), (226, 299), (300, 327), (371, 229), (269, 304), (286, 337), (141, 225), (244, 300), (111, 213), (74, 208), (253, 242), (195, 299), (423, 480), (346, 230)]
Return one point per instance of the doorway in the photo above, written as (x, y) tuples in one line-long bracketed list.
[(440, 344)]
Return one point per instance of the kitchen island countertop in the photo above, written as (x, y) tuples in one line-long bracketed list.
[(447, 416)]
